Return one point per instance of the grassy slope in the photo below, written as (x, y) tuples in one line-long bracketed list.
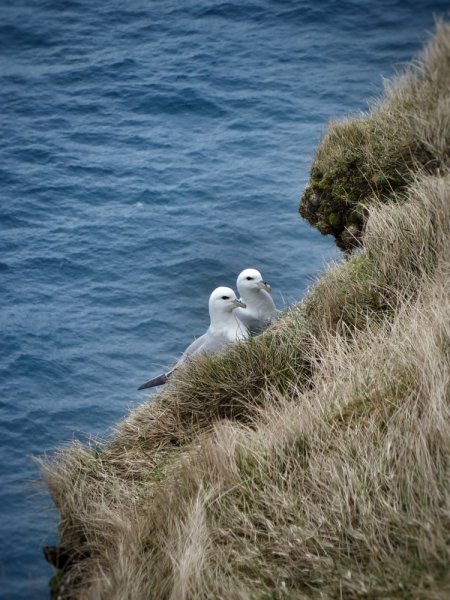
[(311, 461)]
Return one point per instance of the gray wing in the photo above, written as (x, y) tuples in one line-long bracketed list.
[(253, 324), (207, 342), (193, 348), (160, 379)]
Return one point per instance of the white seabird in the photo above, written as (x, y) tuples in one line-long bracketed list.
[(224, 328), (261, 310)]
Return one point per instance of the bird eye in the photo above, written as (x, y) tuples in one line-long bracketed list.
[(225, 297), (249, 278)]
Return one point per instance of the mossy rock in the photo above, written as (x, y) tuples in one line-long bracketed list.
[(361, 160)]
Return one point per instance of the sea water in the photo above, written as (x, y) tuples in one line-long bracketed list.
[(150, 150)]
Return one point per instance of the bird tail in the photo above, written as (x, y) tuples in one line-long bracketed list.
[(155, 381)]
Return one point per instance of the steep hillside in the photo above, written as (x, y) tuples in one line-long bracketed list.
[(311, 461)]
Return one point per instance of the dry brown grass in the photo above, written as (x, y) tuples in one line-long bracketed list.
[(309, 462)]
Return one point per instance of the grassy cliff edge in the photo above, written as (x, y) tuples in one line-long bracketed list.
[(312, 461), (376, 154)]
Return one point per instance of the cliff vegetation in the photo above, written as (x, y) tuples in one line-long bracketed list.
[(312, 461)]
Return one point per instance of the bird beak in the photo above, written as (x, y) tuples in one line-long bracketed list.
[(264, 285), (238, 304)]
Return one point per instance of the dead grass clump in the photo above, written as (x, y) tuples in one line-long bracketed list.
[(349, 294), (408, 238)]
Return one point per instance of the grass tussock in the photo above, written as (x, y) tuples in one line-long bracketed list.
[(311, 461), (373, 155)]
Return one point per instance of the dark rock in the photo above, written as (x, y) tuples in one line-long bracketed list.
[(351, 237), (57, 556)]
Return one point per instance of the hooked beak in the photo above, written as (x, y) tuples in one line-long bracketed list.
[(238, 304), (263, 285)]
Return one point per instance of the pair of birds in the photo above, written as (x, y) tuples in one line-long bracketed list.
[(231, 319)]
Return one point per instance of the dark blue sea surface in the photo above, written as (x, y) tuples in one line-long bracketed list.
[(149, 151)]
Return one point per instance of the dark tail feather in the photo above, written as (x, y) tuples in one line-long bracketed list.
[(155, 381)]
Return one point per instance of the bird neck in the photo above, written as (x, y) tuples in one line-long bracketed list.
[(259, 303), (226, 325)]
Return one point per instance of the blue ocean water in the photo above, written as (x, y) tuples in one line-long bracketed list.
[(149, 151)]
